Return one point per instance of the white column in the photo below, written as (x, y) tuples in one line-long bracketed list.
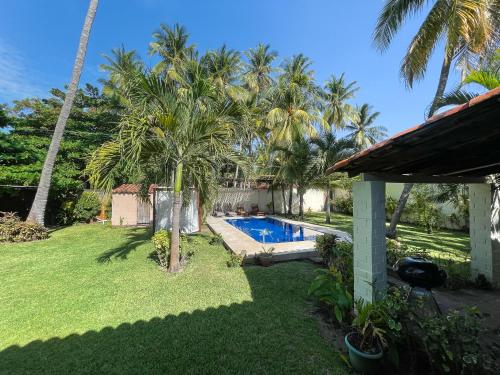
[(484, 206), (370, 273)]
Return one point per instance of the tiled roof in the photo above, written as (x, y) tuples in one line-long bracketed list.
[(132, 189)]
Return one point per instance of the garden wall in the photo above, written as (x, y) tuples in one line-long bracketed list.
[(190, 220)]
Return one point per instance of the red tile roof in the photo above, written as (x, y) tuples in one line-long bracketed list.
[(132, 189)]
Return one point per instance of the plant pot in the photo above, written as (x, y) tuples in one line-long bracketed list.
[(366, 363), (266, 260)]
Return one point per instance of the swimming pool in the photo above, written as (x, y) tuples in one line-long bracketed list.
[(269, 230)]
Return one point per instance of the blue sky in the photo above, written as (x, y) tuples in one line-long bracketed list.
[(38, 41)]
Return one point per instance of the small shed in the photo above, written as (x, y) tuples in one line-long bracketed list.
[(457, 146), (129, 208)]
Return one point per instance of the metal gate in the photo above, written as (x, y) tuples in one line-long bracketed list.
[(143, 212)]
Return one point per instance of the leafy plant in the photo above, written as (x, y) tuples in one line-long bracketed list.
[(325, 245), (451, 342), (397, 250), (236, 260), (216, 240), (329, 288), (267, 251), (12, 229), (423, 210), (87, 207), (161, 243), (390, 205), (343, 205), (370, 327)]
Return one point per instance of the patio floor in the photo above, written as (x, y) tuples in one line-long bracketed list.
[(239, 242)]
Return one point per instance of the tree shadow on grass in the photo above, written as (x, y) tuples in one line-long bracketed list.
[(134, 238), (270, 334)]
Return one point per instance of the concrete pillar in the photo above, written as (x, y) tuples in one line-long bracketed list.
[(370, 272), (484, 206)]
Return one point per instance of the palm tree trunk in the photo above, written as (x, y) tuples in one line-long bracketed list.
[(272, 196), (290, 200), (37, 212), (396, 216), (327, 219), (283, 197), (176, 219), (398, 211), (301, 205), (235, 181)]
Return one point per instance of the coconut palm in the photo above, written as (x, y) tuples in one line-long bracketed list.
[(336, 94), (363, 132), (37, 212), (224, 66), (258, 70), (329, 150), (171, 44), (468, 27), (486, 77)]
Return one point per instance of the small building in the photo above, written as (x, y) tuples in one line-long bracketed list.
[(130, 209)]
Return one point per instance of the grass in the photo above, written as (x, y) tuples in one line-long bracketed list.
[(90, 300), (440, 244)]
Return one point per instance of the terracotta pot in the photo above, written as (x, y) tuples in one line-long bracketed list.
[(266, 260)]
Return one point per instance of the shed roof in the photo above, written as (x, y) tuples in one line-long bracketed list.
[(463, 142), (132, 189)]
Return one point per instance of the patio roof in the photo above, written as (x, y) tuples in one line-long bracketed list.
[(459, 145)]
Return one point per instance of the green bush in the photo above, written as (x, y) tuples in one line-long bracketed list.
[(87, 207), (329, 288), (325, 245), (343, 205), (423, 210), (390, 206), (397, 250), (161, 243), (236, 260), (13, 229), (216, 240)]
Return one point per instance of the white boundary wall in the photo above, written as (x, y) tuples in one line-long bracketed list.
[(314, 199), (163, 212)]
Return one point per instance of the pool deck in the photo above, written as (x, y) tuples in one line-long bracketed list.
[(239, 242)]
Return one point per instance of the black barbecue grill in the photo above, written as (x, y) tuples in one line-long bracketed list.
[(422, 275)]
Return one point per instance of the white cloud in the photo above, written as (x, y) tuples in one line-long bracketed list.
[(16, 79)]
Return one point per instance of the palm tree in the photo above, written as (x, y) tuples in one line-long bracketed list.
[(467, 26), (363, 132), (336, 95), (224, 66), (171, 44), (37, 212), (487, 76), (328, 150), (258, 70), (184, 133)]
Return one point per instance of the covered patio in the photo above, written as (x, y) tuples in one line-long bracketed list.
[(461, 145)]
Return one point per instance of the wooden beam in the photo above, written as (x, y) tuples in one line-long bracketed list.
[(388, 177)]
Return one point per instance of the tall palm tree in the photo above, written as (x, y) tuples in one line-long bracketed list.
[(186, 132), (37, 212), (258, 70), (336, 94), (329, 150), (171, 44), (467, 26), (224, 66), (363, 132)]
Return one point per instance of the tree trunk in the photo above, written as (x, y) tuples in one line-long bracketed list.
[(301, 205), (176, 219), (290, 200), (443, 80), (272, 196), (327, 218), (235, 181), (283, 197), (398, 211), (37, 212), (396, 216)]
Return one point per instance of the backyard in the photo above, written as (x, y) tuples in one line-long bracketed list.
[(92, 299)]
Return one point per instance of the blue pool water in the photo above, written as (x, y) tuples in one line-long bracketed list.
[(269, 230)]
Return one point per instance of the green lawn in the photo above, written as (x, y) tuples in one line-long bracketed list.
[(441, 243), (90, 300)]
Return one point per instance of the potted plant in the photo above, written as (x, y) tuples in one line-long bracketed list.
[(367, 342), (266, 256)]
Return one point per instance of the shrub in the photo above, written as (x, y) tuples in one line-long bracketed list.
[(343, 204), (12, 229), (325, 245), (329, 288), (423, 210), (458, 273), (161, 243), (397, 250), (216, 240), (87, 207), (236, 260), (390, 206), (451, 342)]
